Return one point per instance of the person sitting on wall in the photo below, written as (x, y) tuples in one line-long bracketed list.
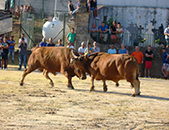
[(25, 8), (50, 44), (88, 6), (103, 32), (93, 31), (71, 9), (81, 50), (59, 43), (93, 7), (112, 50), (166, 33), (113, 33), (119, 31)]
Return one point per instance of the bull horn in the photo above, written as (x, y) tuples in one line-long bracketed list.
[(74, 54)]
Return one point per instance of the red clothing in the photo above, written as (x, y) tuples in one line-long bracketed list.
[(138, 56)]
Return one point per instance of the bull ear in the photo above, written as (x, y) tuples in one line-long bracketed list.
[(73, 54)]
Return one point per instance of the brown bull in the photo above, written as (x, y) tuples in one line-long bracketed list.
[(53, 59), (104, 66)]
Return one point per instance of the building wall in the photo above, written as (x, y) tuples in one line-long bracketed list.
[(136, 3), (136, 15)]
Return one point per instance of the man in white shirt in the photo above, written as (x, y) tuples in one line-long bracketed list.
[(166, 33), (25, 39), (95, 47), (81, 49)]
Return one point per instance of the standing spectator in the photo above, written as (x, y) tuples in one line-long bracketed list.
[(43, 43), (5, 45), (112, 50), (22, 53), (90, 49), (123, 50), (103, 32), (148, 60), (165, 62), (50, 42), (70, 45), (1, 49), (21, 8), (93, 6), (23, 36), (17, 12), (11, 48), (7, 5), (95, 47), (119, 31), (166, 33), (71, 36), (139, 56), (81, 50), (25, 8), (167, 72), (93, 31), (113, 33), (30, 9), (12, 5), (59, 43)]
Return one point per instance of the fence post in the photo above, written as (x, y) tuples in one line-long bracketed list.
[(64, 19), (42, 9)]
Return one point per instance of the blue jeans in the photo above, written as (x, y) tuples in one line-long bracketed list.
[(167, 41), (22, 58), (11, 52)]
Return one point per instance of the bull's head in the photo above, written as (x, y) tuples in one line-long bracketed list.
[(79, 62)]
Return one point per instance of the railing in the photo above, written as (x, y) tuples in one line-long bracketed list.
[(133, 39), (5, 14)]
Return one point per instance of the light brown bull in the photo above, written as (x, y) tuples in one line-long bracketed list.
[(104, 66)]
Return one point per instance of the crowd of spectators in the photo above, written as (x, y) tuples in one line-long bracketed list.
[(10, 6)]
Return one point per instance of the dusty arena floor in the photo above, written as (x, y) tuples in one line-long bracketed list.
[(37, 106)]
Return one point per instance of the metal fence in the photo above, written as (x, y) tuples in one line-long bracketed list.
[(27, 27)]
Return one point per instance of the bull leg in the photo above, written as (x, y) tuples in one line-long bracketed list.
[(27, 71), (117, 84), (92, 83), (136, 85), (104, 86), (45, 73), (69, 84)]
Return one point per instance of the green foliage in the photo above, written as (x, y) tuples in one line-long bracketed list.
[(109, 23)]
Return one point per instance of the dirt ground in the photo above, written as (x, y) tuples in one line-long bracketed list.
[(37, 106)]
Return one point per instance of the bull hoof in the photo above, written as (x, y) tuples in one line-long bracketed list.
[(70, 87), (117, 84), (91, 89), (21, 84), (105, 89), (133, 95), (52, 84)]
